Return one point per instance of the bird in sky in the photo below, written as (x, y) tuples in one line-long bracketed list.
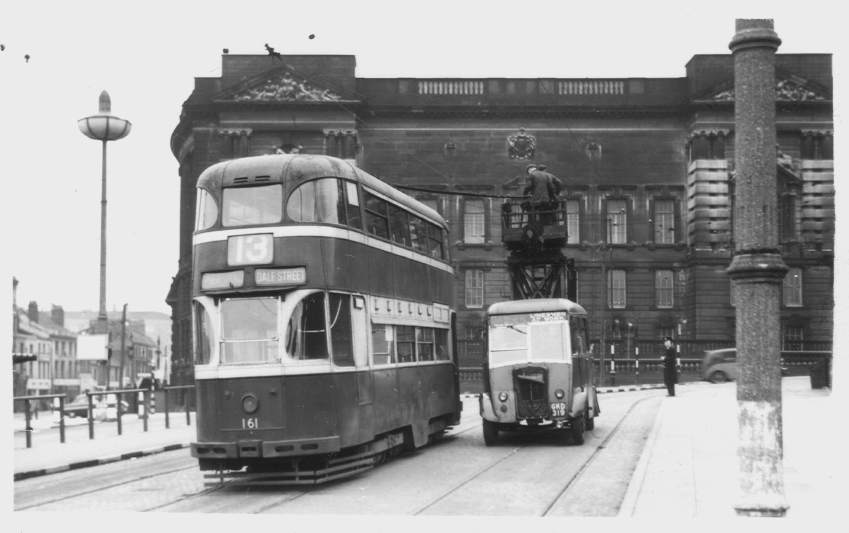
[(2, 47), (226, 50), (312, 36), (273, 53), (26, 58)]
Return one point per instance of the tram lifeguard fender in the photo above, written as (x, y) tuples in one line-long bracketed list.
[(489, 413)]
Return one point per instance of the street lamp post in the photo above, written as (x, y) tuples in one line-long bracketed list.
[(104, 127)]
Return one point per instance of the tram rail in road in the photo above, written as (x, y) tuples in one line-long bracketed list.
[(456, 475)]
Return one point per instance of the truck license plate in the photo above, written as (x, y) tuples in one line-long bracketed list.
[(558, 409)]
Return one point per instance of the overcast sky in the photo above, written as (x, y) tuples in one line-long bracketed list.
[(147, 56)]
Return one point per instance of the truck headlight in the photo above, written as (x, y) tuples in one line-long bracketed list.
[(502, 396), (559, 394)]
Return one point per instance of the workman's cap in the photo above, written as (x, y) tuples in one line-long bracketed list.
[(532, 165)]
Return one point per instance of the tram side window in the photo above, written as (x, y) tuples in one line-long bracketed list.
[(377, 218), (352, 197), (398, 225), (435, 241), (206, 211), (418, 234), (382, 343), (440, 344), (249, 330), (340, 329), (306, 337), (424, 344), (406, 343), (320, 200), (203, 335), (252, 205)]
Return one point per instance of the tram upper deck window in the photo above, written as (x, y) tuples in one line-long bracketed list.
[(249, 330), (306, 334), (377, 216), (321, 200), (206, 211), (243, 206)]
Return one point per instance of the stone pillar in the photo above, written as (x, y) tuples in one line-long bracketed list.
[(757, 270)]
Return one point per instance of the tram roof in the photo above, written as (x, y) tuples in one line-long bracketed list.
[(536, 305), (294, 168)]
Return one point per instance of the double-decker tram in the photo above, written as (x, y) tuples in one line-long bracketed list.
[(538, 371), (323, 320)]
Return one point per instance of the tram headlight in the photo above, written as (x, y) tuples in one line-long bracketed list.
[(559, 394), (502, 396), (249, 403)]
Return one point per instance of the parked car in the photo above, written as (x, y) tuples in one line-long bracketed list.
[(78, 407), (104, 407), (719, 366)]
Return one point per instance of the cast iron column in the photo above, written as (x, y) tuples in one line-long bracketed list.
[(757, 270)]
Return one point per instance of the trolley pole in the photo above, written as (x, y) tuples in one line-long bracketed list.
[(757, 271)]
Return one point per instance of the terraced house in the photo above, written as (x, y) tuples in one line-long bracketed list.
[(647, 164)]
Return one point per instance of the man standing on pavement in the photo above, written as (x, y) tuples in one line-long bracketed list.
[(670, 364)]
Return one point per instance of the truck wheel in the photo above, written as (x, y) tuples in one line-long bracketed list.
[(590, 421), (490, 433), (577, 431)]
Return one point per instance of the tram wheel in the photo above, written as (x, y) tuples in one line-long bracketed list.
[(490, 433), (577, 431)]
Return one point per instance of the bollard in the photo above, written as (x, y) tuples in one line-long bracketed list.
[(144, 407), (167, 421), (186, 402), (118, 410), (612, 372), (637, 369), (90, 416), (61, 419), (27, 428)]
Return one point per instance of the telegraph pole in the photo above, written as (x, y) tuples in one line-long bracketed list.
[(757, 271), (123, 347)]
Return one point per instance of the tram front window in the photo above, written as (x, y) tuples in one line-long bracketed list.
[(249, 330), (252, 205), (306, 335)]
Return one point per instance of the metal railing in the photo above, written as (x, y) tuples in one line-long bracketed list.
[(145, 399), (28, 414)]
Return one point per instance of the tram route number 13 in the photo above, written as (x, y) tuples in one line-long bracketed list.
[(250, 423)]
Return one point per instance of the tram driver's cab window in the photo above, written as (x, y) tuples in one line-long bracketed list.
[(249, 330), (243, 206)]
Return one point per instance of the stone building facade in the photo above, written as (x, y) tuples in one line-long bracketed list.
[(647, 164)]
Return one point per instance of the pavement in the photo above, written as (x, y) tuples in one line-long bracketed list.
[(687, 469)]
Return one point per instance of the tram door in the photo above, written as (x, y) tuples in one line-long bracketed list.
[(365, 379)]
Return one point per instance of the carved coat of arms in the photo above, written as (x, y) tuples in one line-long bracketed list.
[(521, 145)]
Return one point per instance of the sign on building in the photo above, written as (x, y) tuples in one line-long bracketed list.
[(92, 347)]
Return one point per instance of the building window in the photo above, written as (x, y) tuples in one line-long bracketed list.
[(616, 289), (664, 288), (666, 331), (474, 289), (793, 338), (474, 222), (573, 222), (617, 222), (664, 221), (792, 289), (788, 229)]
